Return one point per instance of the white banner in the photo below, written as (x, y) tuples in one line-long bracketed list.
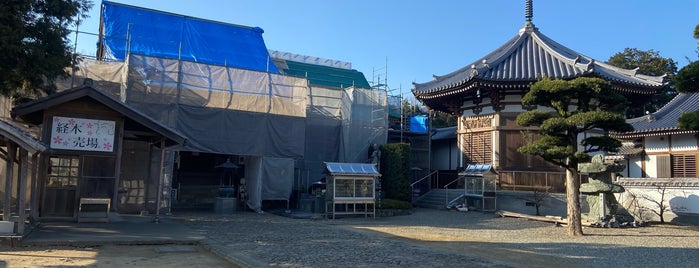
[(82, 134)]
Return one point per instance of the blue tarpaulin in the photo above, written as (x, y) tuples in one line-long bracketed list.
[(418, 124), (129, 29)]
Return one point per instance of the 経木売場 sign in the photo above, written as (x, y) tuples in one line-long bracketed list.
[(82, 134)]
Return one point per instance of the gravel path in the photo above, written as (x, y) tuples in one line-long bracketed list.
[(437, 238)]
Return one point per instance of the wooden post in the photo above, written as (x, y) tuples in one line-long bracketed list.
[(22, 195), (38, 161), (159, 190), (9, 168)]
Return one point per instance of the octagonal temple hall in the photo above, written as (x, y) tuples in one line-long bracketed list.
[(487, 95)]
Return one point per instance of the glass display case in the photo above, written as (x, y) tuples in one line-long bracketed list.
[(480, 187), (350, 189)]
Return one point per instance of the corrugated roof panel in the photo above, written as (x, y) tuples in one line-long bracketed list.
[(477, 170), (351, 168)]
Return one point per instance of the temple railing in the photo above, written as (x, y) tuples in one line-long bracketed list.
[(514, 180)]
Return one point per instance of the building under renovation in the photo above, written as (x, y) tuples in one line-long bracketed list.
[(193, 110)]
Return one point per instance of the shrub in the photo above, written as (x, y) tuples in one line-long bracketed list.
[(395, 171), (394, 204)]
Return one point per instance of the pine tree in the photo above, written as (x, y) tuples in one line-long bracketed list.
[(577, 106), (34, 45)]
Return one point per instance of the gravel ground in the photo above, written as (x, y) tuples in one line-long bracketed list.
[(437, 238)]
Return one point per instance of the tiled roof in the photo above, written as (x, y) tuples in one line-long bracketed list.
[(444, 133), (630, 148), (665, 119), (659, 182), (530, 56)]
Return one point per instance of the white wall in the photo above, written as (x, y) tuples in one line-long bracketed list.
[(634, 167), (684, 142), (652, 166), (682, 203), (656, 144)]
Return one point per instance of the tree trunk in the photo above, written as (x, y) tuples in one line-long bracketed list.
[(573, 201)]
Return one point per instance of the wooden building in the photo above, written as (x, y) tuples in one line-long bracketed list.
[(658, 148), (487, 94), (98, 147)]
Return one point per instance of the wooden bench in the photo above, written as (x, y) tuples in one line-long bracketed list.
[(94, 210)]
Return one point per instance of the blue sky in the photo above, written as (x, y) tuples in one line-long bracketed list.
[(412, 40)]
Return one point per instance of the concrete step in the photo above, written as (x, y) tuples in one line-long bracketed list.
[(436, 198)]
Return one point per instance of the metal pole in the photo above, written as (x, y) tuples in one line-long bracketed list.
[(75, 52)]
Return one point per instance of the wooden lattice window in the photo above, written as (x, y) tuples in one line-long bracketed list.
[(63, 171), (478, 147), (684, 166)]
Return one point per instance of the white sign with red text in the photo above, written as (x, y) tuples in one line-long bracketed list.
[(82, 134)]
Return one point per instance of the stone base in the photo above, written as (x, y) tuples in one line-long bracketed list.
[(306, 204), (7, 227), (225, 205)]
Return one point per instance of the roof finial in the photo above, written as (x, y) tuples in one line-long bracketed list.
[(528, 13)]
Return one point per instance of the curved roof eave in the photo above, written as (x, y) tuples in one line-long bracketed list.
[(628, 76), (664, 121), (530, 56), (462, 75)]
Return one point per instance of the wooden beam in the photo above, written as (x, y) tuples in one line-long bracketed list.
[(557, 220), (35, 193), (551, 219), (159, 190), (3, 154), (22, 195)]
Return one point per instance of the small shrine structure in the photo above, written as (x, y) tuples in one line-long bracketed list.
[(480, 187), (350, 189)]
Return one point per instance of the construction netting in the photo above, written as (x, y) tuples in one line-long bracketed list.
[(221, 109), (217, 85), (342, 125), (231, 111)]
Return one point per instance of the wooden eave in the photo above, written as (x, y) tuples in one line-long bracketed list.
[(11, 133), (32, 112)]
